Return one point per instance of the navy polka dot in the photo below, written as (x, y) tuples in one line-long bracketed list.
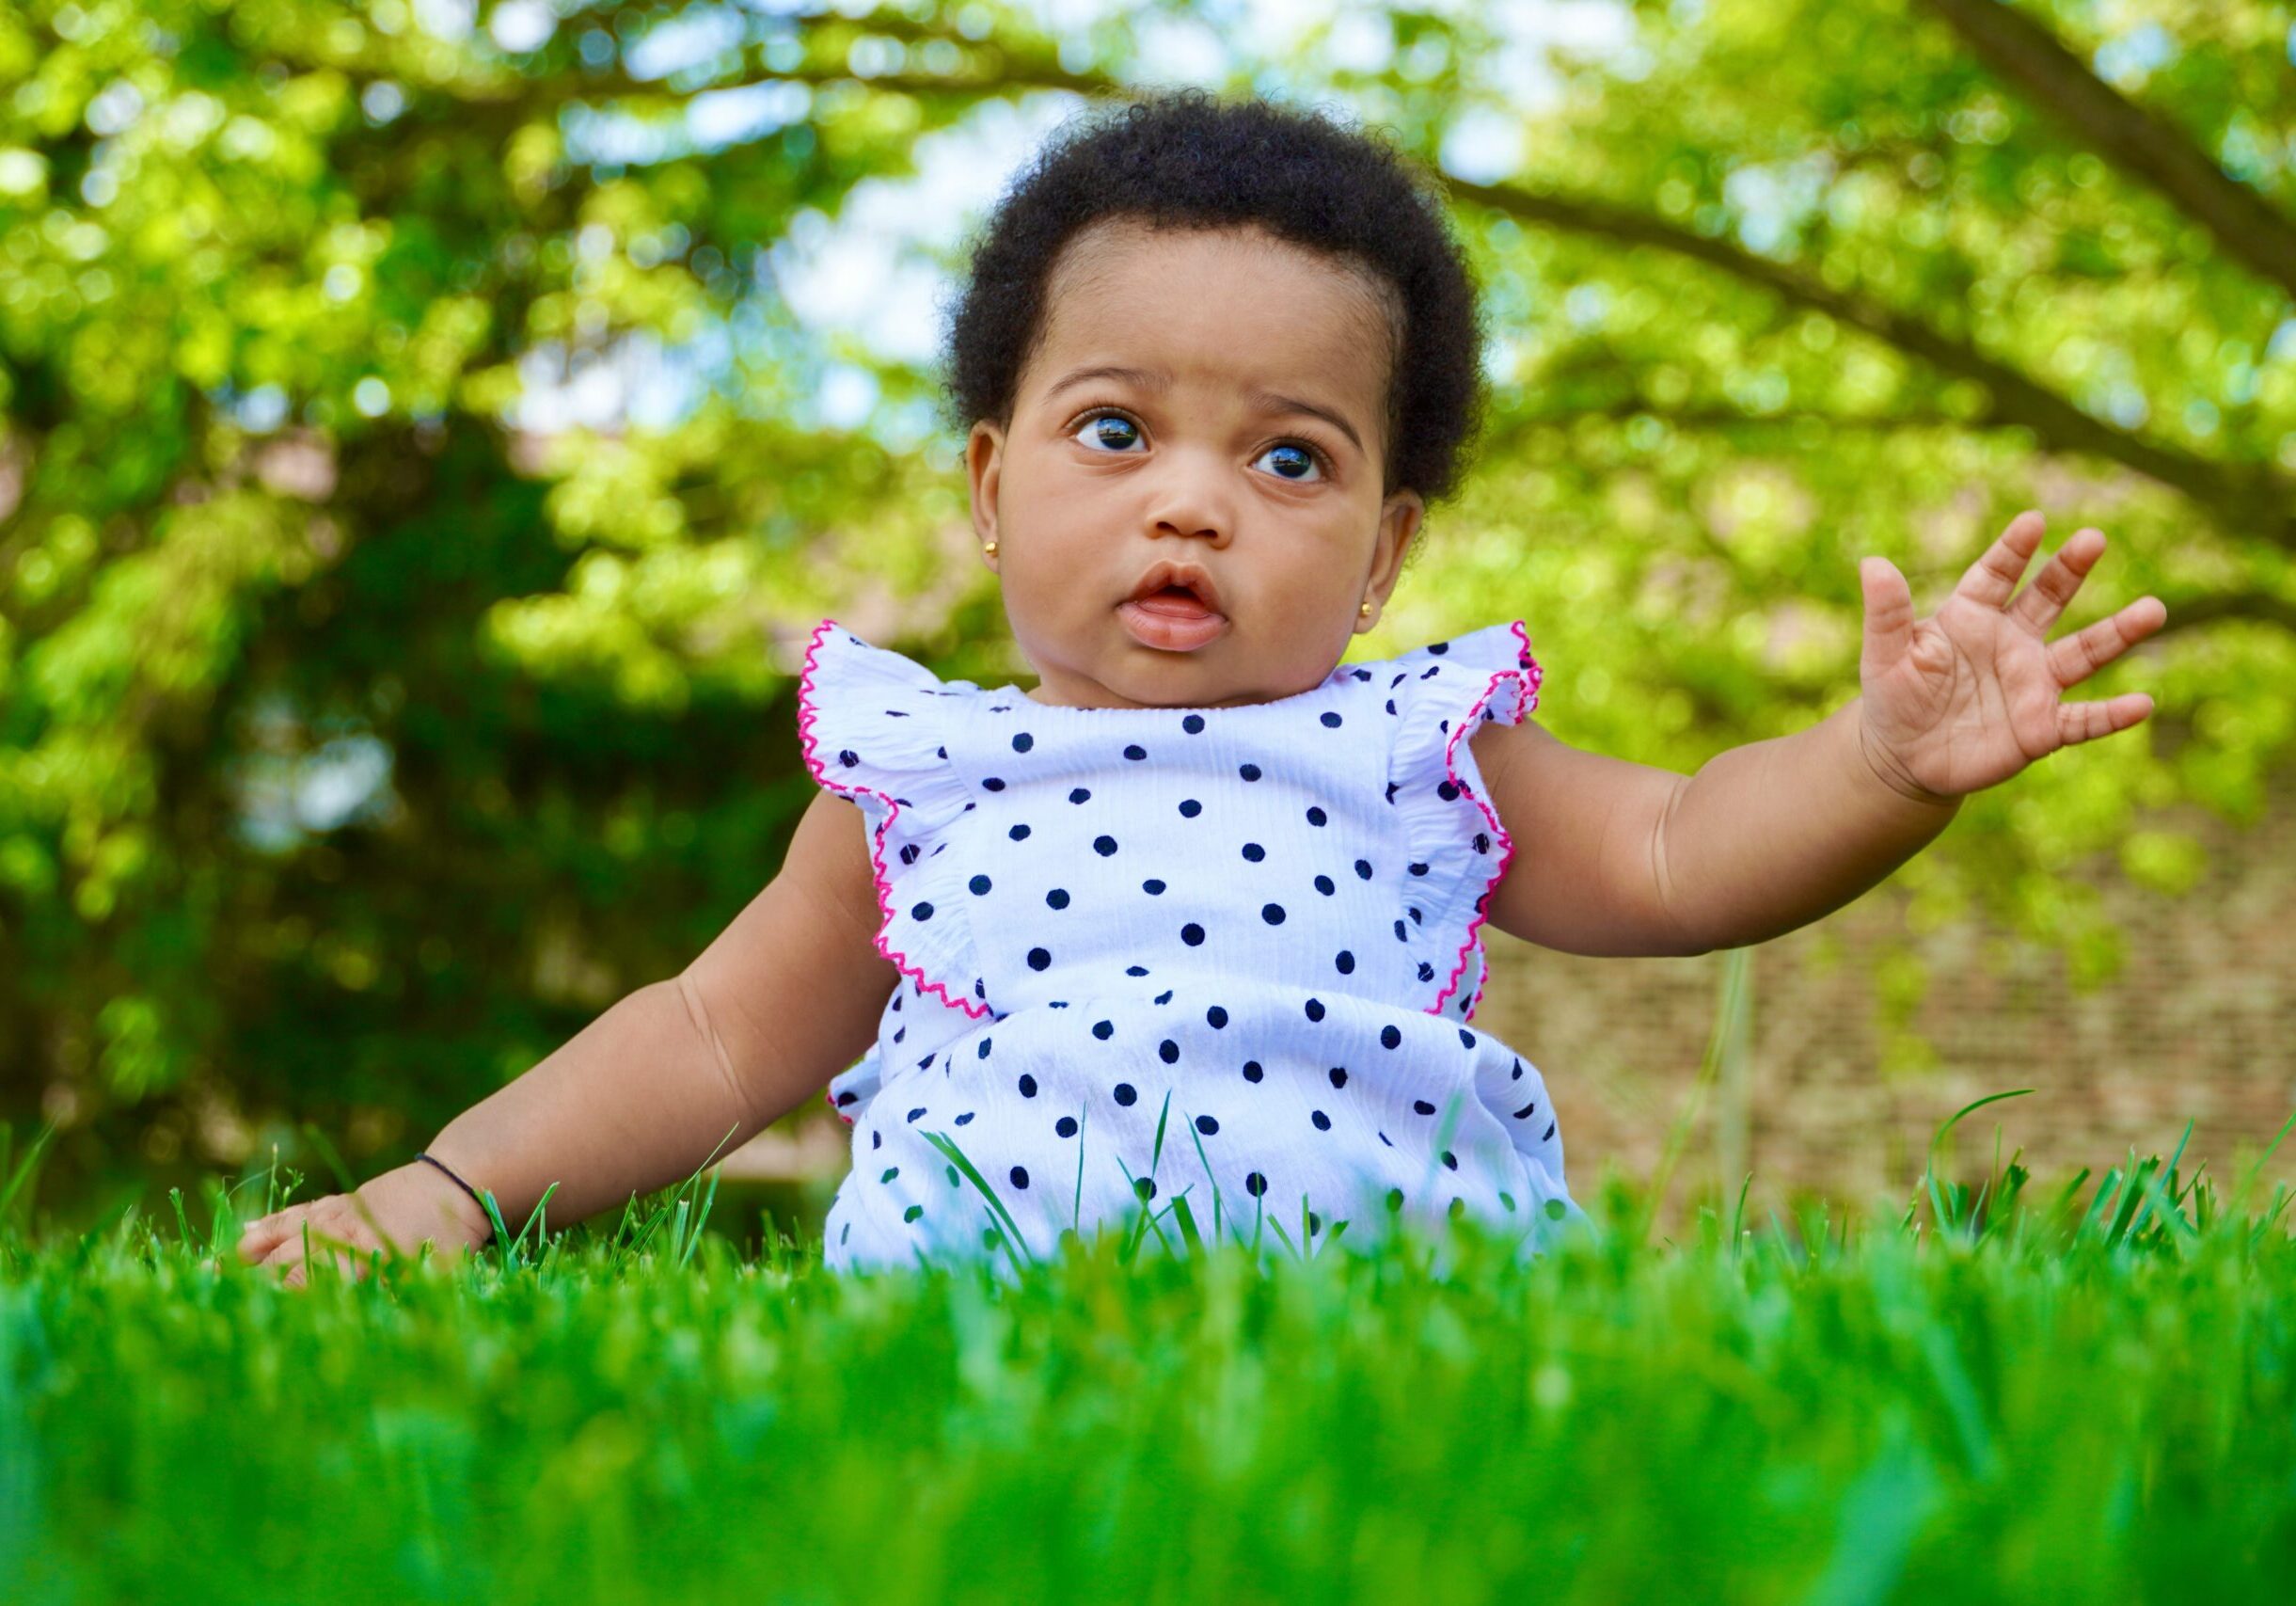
[(1028, 1086), (921, 912), (1190, 808), (1019, 834), (1066, 1126), (1331, 722), (1363, 869), (1206, 1125), (1126, 1093), (1344, 962), (1039, 958), (1324, 884), (1390, 1037), (1022, 742), (1103, 1029), (1316, 817), (1192, 935), (1168, 1051), (1249, 771), (1081, 794), (1019, 1176), (1338, 1076), (1135, 752), (1252, 1072), (1323, 1121), (1253, 852), (1103, 846), (979, 885), (1192, 724), (1216, 1018), (1057, 899), (1254, 1185), (1273, 913), (1153, 887), (992, 784)]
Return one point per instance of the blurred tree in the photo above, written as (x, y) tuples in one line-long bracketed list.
[(356, 744)]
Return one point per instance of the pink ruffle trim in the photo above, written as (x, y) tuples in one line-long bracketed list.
[(877, 839), (1532, 675)]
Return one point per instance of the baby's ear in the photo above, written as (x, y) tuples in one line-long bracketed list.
[(1400, 516), (984, 474)]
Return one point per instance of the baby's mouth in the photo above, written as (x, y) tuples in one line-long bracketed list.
[(1175, 602), (1173, 620)]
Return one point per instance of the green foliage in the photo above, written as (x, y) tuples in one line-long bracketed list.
[(1775, 286), (1992, 1399)]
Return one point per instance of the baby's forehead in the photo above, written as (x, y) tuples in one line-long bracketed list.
[(1234, 304)]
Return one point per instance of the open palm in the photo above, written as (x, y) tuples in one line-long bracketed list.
[(1970, 695)]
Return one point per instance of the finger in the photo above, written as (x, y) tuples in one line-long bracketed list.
[(1889, 614), (2085, 722), (2087, 650), (260, 1236), (1993, 579), (2039, 604), (286, 1265)]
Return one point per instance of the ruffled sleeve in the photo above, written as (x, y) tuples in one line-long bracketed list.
[(871, 723), (1438, 695)]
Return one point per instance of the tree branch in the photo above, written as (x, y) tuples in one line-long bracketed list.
[(2133, 138), (2256, 499), (2186, 612)]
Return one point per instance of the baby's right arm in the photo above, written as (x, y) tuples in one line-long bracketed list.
[(786, 997)]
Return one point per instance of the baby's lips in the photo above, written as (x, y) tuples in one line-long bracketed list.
[(1175, 605)]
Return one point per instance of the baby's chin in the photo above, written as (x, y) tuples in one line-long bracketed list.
[(1151, 688)]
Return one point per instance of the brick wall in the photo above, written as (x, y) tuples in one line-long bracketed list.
[(2201, 1023)]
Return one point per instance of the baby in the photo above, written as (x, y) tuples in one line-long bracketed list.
[(1192, 926)]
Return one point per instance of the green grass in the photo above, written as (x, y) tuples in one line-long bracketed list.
[(1989, 1393)]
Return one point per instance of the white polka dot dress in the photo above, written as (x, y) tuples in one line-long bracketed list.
[(1256, 926)]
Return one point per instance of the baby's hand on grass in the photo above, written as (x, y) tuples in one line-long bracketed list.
[(393, 1213)]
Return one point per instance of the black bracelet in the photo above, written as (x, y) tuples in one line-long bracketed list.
[(471, 1191)]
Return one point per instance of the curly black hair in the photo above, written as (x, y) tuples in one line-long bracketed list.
[(1183, 158)]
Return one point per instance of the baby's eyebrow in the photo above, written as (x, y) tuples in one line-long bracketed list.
[(1266, 400), (1269, 402), (1140, 376)]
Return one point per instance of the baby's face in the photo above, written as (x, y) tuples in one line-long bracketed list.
[(1245, 438)]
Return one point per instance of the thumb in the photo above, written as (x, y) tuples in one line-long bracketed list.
[(1889, 614)]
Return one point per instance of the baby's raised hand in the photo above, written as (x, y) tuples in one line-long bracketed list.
[(406, 1206), (1968, 697)]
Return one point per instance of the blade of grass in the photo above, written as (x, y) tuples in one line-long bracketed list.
[(1016, 1246)]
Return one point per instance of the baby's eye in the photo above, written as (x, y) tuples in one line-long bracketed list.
[(1293, 461), (1111, 430)]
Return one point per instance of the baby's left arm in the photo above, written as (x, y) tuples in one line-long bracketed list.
[(1622, 858)]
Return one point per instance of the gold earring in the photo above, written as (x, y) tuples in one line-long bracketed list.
[(990, 549), (1365, 610)]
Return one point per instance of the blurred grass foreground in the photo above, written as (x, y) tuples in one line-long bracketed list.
[(2088, 1395)]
